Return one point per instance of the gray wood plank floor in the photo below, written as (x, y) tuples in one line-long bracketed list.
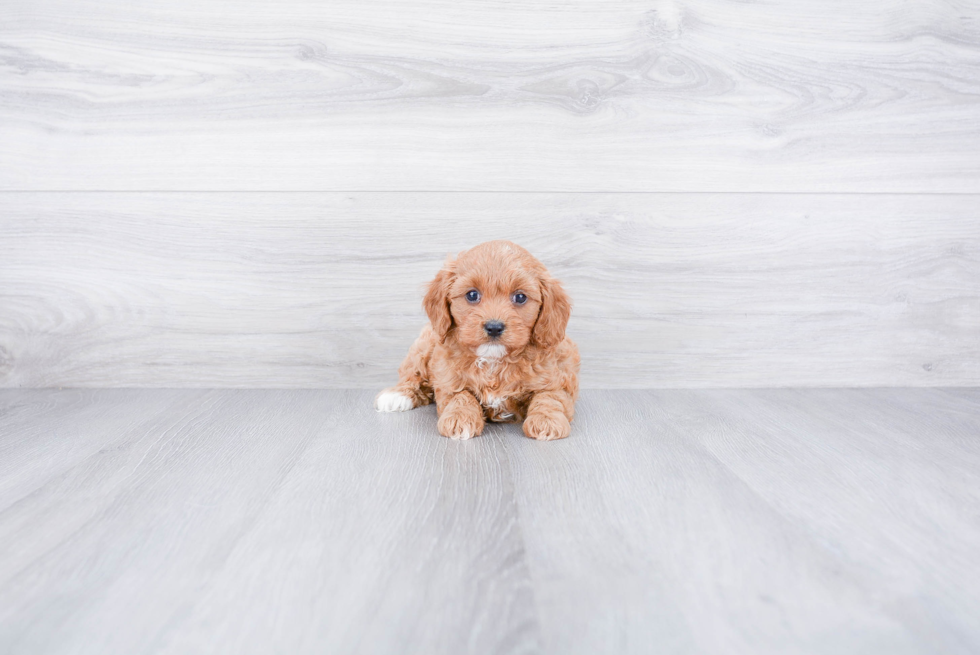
[(253, 521)]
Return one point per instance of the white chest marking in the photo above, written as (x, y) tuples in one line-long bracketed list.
[(489, 354), (491, 350), (496, 403)]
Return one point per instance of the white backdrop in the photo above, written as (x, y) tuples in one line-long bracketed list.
[(252, 194)]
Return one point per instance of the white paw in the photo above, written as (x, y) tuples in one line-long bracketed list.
[(392, 401), (461, 435)]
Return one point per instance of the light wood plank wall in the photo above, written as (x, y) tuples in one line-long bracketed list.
[(251, 195), (324, 289)]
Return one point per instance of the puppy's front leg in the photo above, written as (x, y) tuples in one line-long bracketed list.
[(460, 415), (413, 388), (549, 415)]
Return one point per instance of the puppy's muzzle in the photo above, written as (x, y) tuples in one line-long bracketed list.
[(493, 328)]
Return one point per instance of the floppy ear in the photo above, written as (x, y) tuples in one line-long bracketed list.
[(436, 301), (556, 307)]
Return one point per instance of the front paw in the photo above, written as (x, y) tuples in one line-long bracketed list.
[(547, 427), (393, 401), (460, 424)]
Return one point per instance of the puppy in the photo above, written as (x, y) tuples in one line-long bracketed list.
[(495, 348)]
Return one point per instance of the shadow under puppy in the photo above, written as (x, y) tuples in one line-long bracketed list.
[(495, 349)]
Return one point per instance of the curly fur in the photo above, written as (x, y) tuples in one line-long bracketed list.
[(529, 373)]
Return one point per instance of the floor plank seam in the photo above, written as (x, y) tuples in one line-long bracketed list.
[(519, 514)]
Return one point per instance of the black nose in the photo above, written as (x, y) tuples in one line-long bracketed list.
[(494, 328)]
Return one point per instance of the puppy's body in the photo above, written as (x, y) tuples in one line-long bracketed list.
[(503, 386), (495, 348)]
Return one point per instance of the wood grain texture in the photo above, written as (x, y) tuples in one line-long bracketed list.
[(757, 521), (252, 522), (638, 95), (745, 521), (324, 290)]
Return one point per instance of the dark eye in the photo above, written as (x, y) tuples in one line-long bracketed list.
[(520, 298), (473, 295)]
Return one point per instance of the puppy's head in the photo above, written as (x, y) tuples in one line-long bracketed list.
[(497, 298)]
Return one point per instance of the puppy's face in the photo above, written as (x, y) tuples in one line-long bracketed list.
[(494, 306), (498, 298)]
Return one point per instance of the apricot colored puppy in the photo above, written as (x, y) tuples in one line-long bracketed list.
[(495, 349)]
